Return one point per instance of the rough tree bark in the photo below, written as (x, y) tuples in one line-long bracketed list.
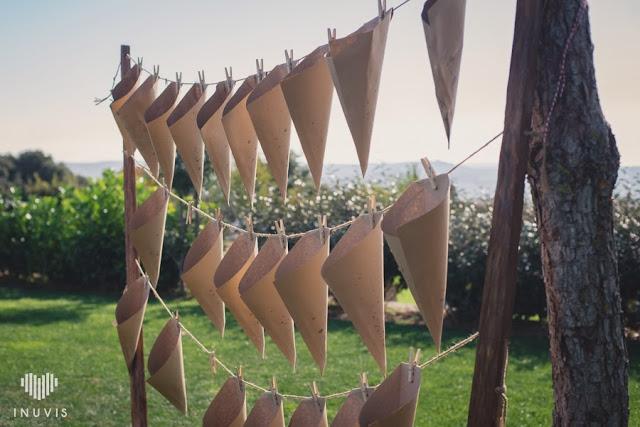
[(572, 172)]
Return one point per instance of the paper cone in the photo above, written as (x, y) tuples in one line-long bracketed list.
[(147, 232), (241, 135), (443, 23), (185, 132), (304, 291), (200, 265), (229, 407), (266, 412), (227, 280), (308, 91), (393, 403), (166, 367), (356, 65), (310, 413), (417, 231), (258, 291), (121, 94), (272, 122), (129, 316), (215, 139), (349, 413), (354, 272), (156, 119)]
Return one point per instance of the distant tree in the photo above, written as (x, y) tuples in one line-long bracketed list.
[(34, 173)]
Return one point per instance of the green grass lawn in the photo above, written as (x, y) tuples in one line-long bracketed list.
[(73, 337)]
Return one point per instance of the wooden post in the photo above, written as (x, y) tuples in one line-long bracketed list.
[(488, 393), (138, 391)]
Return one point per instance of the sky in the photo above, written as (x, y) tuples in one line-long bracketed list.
[(59, 55)]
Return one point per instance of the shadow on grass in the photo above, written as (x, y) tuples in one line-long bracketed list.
[(42, 316)]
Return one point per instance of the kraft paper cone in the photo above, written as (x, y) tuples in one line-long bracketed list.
[(241, 135), (200, 265), (147, 231), (156, 119), (121, 94), (266, 412), (229, 407), (417, 231), (349, 413), (393, 403), (443, 23), (304, 291), (215, 139), (227, 280), (310, 413), (166, 366), (308, 91), (185, 132), (272, 123), (354, 272), (356, 65), (129, 316), (258, 291)]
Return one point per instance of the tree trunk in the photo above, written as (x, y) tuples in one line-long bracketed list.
[(572, 172)]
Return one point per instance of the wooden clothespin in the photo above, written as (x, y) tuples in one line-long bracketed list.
[(274, 390), (260, 69), (281, 233), (219, 217), (322, 226), (372, 209), (288, 54), (179, 80), (431, 173), (176, 315), (201, 79), (315, 394), (228, 73), (413, 362), (189, 217), (213, 362), (240, 377), (249, 223), (331, 34), (382, 8), (139, 61), (156, 72), (364, 385)]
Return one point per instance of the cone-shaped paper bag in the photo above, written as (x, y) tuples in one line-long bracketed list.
[(166, 366), (272, 122), (354, 272), (147, 231), (266, 412), (308, 91), (229, 407), (200, 265), (304, 291), (258, 291), (185, 132), (241, 135), (356, 66), (393, 403), (215, 139), (129, 316), (349, 413), (417, 231), (156, 120), (443, 23), (227, 280), (121, 94), (310, 413)]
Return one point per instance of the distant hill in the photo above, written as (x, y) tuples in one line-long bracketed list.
[(93, 170)]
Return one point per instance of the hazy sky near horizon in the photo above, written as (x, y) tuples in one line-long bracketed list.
[(59, 55)]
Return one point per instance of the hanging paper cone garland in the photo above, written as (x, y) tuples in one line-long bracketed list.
[(355, 62), (121, 94), (227, 280), (166, 365), (182, 124), (310, 413), (443, 23), (229, 407), (417, 231), (308, 91), (349, 413), (156, 119), (147, 231), (200, 265), (354, 272), (304, 291), (129, 316), (267, 411)]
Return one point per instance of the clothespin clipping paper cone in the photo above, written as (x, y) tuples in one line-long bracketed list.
[(349, 413), (200, 266), (130, 315), (185, 132), (304, 291), (267, 411), (310, 412), (393, 403), (229, 407), (354, 272), (215, 139), (166, 365), (257, 289), (227, 280), (355, 62), (308, 91), (443, 23), (147, 231), (156, 119), (121, 94)]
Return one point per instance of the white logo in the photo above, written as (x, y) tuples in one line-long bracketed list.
[(40, 387)]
